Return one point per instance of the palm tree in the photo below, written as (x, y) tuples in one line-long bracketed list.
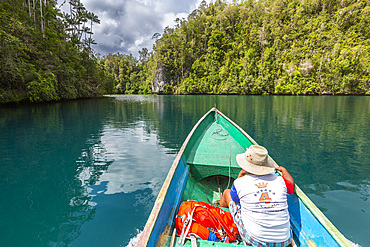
[(93, 19)]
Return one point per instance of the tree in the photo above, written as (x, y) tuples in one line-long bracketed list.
[(39, 58)]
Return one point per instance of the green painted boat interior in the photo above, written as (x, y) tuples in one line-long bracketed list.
[(210, 156), (211, 159), (205, 243), (214, 150), (207, 190), (212, 164)]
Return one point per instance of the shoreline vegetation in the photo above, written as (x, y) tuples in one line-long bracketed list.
[(46, 55), (264, 47)]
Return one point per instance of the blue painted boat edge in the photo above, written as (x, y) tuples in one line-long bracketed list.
[(305, 201), (322, 219), (153, 217), (307, 229), (328, 226), (166, 216)]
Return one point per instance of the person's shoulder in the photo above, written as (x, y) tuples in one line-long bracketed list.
[(243, 179), (268, 177), (273, 178), (247, 177)]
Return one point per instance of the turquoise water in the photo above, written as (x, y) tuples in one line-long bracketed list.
[(86, 173)]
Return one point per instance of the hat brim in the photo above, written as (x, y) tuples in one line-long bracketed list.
[(252, 168)]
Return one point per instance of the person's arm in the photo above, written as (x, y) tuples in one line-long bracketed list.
[(229, 195), (242, 173), (285, 174)]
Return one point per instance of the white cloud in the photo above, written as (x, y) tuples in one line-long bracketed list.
[(169, 19), (127, 26)]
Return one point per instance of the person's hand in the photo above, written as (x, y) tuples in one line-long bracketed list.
[(285, 174), (280, 169), (242, 173)]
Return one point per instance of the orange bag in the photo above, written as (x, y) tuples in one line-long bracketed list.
[(205, 221)]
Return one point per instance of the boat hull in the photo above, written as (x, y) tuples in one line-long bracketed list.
[(204, 166)]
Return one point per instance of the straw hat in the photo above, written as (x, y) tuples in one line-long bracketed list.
[(255, 160)]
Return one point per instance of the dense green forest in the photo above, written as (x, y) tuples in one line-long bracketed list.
[(257, 47), (46, 55), (252, 47), (129, 75)]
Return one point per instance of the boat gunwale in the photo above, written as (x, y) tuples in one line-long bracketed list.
[(333, 231), (148, 229), (145, 236)]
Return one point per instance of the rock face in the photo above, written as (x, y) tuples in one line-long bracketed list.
[(161, 78)]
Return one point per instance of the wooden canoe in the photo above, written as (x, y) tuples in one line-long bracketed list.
[(204, 167)]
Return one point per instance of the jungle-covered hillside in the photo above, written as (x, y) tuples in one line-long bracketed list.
[(257, 47), (46, 55), (298, 47)]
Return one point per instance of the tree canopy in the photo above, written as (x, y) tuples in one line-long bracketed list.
[(45, 55), (266, 47), (310, 47)]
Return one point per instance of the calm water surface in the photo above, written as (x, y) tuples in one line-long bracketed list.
[(86, 173)]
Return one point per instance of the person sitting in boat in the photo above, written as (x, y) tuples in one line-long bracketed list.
[(258, 200)]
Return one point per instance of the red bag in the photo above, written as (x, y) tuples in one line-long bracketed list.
[(205, 221)]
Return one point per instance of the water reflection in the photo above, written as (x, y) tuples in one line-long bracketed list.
[(325, 137), (43, 203), (323, 141), (347, 210), (137, 167), (87, 172), (137, 164)]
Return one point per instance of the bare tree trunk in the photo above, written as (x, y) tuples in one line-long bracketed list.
[(90, 33), (29, 8), (79, 33), (34, 10), (46, 21), (42, 20), (71, 14)]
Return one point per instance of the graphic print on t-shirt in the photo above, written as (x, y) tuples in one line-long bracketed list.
[(265, 196)]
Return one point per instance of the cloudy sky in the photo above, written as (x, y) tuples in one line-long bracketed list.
[(127, 26)]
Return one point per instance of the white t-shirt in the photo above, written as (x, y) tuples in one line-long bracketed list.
[(264, 206)]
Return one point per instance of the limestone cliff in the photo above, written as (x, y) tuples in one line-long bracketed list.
[(161, 78)]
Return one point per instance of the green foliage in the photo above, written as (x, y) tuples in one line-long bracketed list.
[(126, 74), (39, 60), (269, 47), (43, 89)]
